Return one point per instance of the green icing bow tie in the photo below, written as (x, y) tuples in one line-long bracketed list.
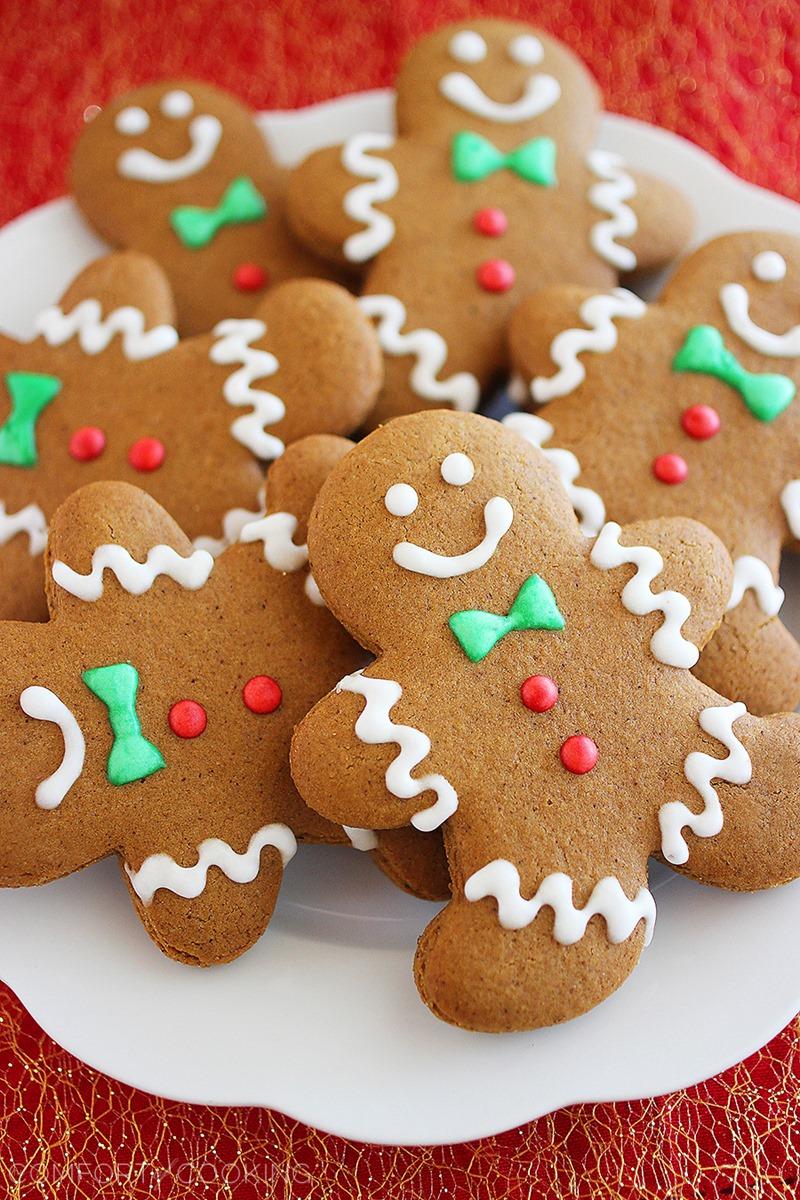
[(473, 157), (704, 353), (241, 202), (30, 395), (132, 756), (478, 632)]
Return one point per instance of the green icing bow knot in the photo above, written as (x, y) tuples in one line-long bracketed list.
[(132, 757), (473, 158), (30, 395), (241, 202), (704, 353), (478, 632)]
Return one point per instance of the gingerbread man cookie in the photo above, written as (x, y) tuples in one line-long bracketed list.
[(181, 171), (688, 407), (106, 391), (491, 190), (530, 697)]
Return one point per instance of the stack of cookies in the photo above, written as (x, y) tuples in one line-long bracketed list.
[(269, 577)]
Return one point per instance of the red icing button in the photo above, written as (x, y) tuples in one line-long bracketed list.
[(187, 718), (539, 693), (495, 275), (701, 421), (262, 694), (579, 754), (249, 277), (491, 222), (87, 443), (670, 468), (147, 454)]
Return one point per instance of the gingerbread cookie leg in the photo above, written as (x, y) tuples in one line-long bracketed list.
[(416, 862), (664, 223)]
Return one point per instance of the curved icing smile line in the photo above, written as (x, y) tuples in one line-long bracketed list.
[(205, 132), (498, 516), (540, 93), (735, 302)]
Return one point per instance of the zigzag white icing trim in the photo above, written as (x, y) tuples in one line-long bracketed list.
[(30, 520), (233, 522), (276, 532), (599, 314), (667, 643), (700, 768), (500, 880), (135, 577), (268, 409), (161, 870), (95, 333), (375, 727), (790, 503), (358, 202), (753, 573), (610, 196), (461, 390), (588, 504)]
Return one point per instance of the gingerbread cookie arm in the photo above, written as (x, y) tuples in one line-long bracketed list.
[(664, 223), (123, 280)]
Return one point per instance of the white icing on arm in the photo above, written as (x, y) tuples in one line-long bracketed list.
[(736, 306), (751, 572), (44, 705), (500, 880), (599, 313), (233, 522), (234, 346), (30, 520), (95, 333), (359, 200), (790, 503), (205, 132), (610, 197), (162, 871), (134, 577), (700, 768), (667, 643), (588, 504), (276, 532), (361, 839), (375, 727), (498, 516), (430, 349)]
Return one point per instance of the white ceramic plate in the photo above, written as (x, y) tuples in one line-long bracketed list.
[(321, 1019)]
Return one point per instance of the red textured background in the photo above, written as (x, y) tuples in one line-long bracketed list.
[(725, 73)]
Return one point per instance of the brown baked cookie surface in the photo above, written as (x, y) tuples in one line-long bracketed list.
[(687, 407), (151, 716), (181, 171), (107, 391), (492, 189), (531, 696)]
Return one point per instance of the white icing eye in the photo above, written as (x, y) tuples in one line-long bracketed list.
[(526, 50), (131, 120), (401, 500), (176, 104), (468, 47), (769, 266), (457, 469)]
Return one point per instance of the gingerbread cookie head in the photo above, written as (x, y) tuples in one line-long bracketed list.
[(522, 674), (151, 716), (106, 391), (688, 407), (181, 171)]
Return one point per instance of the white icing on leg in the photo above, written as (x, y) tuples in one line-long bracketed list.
[(610, 197), (375, 727), (667, 643), (500, 880), (599, 314), (44, 705), (588, 504), (790, 503), (134, 577), (700, 768), (358, 202), (498, 516), (268, 409), (361, 839), (30, 520), (161, 870), (312, 591), (95, 333), (429, 347), (736, 305), (751, 572)]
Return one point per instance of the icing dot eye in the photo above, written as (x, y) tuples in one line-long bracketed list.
[(87, 443), (131, 120), (670, 468), (249, 277), (579, 754), (769, 266), (146, 454), (401, 500), (187, 719), (539, 693), (457, 469), (176, 104), (468, 47), (262, 694), (526, 50)]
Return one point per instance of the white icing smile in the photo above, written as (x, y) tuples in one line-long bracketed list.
[(498, 516), (769, 267), (205, 132), (540, 92)]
